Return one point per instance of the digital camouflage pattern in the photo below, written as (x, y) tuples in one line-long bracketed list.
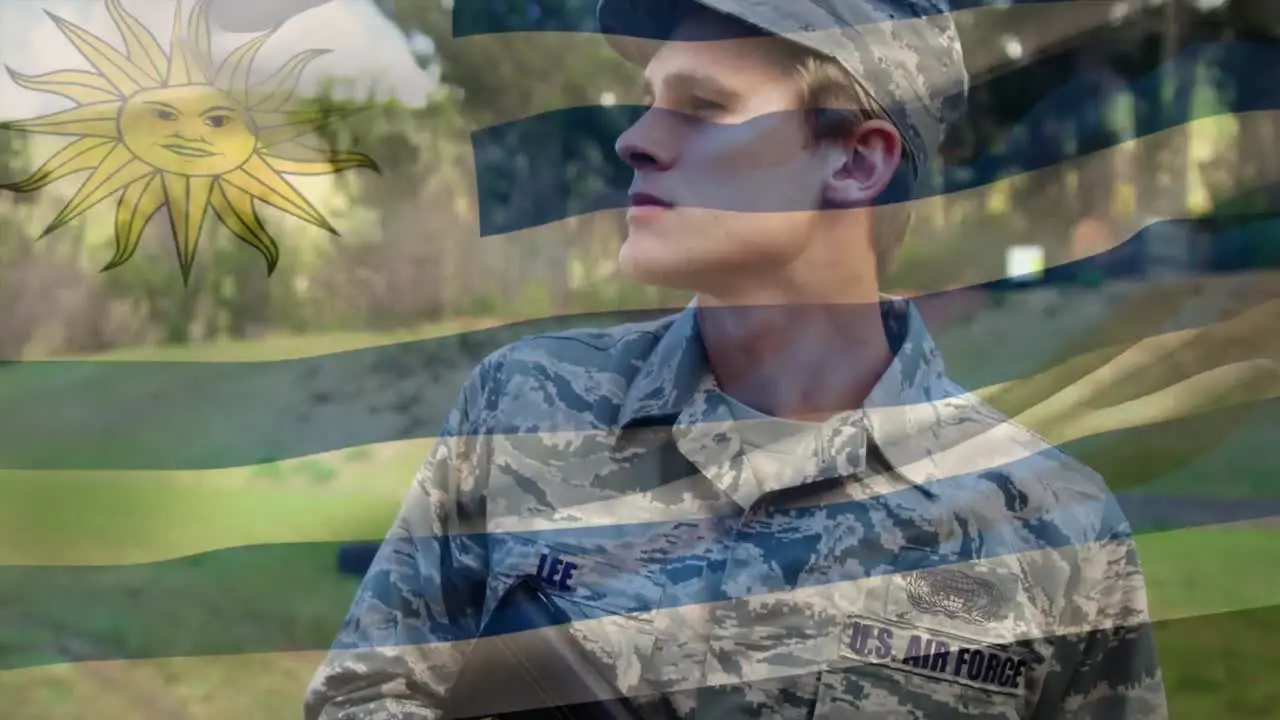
[(925, 558), (906, 52)]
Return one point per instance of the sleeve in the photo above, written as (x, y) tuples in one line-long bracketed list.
[(417, 609), (1106, 669)]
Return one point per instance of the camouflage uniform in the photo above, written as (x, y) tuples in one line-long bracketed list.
[(925, 557), (919, 557)]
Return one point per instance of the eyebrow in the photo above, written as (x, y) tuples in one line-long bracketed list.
[(163, 105), (223, 108), (693, 81)]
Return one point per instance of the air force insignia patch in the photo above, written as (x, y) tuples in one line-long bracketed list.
[(956, 595), (940, 656)]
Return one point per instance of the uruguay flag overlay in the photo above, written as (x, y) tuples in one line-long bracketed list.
[(182, 512)]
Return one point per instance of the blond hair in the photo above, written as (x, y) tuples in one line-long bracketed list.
[(837, 103)]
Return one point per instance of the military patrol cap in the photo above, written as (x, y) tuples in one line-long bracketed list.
[(905, 52)]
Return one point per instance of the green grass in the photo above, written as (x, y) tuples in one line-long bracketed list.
[(1220, 602), (282, 346), (54, 517)]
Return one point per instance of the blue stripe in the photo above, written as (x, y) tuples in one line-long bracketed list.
[(573, 155), (114, 415), (482, 17)]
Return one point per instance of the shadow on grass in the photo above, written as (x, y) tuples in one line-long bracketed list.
[(1222, 665)]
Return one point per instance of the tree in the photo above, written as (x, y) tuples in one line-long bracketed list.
[(505, 78)]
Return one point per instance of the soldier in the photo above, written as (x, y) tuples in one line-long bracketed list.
[(773, 503)]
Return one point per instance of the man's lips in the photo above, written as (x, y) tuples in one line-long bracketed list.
[(188, 150), (641, 199)]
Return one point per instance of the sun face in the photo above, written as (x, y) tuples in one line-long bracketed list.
[(188, 130), (174, 130)]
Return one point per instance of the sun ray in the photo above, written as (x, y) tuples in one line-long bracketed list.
[(258, 179), (275, 92), (234, 207), (119, 70), (138, 204), (164, 126), (184, 69), (233, 75), (76, 156), (143, 48), (298, 159), (94, 120), (306, 149), (198, 37), (115, 173), (275, 128), (188, 201), (80, 87)]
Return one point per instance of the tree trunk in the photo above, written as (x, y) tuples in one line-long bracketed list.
[(249, 304), (1162, 159)]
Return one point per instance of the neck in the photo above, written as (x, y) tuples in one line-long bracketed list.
[(800, 359)]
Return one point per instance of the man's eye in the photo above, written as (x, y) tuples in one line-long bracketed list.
[(167, 115), (702, 106), (217, 121)]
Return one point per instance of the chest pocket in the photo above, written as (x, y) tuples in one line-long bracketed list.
[(935, 641), (609, 606)]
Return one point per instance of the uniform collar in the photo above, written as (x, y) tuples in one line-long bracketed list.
[(675, 387), (670, 378)]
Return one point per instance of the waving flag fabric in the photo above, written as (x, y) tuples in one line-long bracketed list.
[(1232, 66), (168, 539)]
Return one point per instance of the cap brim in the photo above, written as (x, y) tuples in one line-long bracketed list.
[(634, 29), (638, 51)]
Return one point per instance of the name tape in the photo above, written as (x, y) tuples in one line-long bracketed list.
[(935, 655)]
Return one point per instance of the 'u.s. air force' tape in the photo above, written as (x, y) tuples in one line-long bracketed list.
[(935, 655)]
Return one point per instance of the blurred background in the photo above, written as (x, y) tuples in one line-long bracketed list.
[(1065, 147), (1099, 259)]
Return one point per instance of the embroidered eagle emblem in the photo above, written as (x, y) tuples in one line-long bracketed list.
[(957, 595)]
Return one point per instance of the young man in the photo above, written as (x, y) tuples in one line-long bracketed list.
[(774, 503)]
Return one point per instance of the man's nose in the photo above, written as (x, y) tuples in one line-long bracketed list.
[(648, 144)]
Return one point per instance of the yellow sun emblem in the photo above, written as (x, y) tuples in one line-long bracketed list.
[(174, 130)]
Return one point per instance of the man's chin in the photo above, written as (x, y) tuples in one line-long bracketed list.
[(657, 261)]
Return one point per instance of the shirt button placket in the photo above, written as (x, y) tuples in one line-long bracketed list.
[(721, 633)]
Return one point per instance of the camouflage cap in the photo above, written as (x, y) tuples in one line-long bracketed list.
[(905, 52)]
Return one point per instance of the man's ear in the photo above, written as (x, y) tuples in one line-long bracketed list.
[(863, 165)]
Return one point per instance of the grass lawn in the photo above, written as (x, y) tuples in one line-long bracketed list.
[(93, 518), (282, 347), (1211, 587)]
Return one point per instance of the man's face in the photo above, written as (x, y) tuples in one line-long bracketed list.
[(725, 151)]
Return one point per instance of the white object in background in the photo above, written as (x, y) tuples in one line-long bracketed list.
[(1024, 263)]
